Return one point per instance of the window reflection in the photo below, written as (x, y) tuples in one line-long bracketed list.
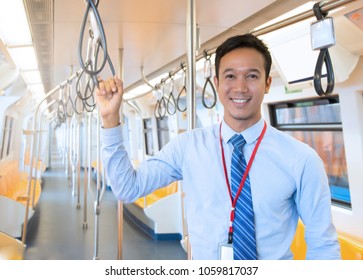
[(149, 143), (7, 137), (163, 131), (327, 114), (318, 124), (330, 147)]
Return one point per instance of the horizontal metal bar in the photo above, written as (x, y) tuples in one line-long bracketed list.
[(311, 127), (326, 7)]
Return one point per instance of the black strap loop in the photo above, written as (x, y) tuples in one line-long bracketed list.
[(94, 70), (171, 98), (324, 57), (183, 90), (204, 94), (319, 14), (208, 76), (160, 108), (179, 99), (61, 111)]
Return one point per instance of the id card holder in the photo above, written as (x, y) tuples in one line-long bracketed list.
[(225, 251)]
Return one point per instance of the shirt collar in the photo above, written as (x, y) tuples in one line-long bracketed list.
[(251, 134)]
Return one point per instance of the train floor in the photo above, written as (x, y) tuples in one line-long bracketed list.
[(56, 231)]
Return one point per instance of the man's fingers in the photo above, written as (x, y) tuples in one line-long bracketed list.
[(101, 90), (108, 87), (119, 84)]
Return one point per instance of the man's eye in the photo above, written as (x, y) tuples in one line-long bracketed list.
[(252, 76)]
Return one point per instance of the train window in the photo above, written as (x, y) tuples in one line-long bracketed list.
[(162, 125), (2, 144), (148, 134), (318, 124), (316, 112), (6, 137)]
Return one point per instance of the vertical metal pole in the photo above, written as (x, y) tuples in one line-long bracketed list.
[(50, 144), (68, 156), (191, 44), (37, 153), (120, 206), (32, 152), (97, 206), (78, 145), (73, 152), (89, 157), (30, 176), (86, 170)]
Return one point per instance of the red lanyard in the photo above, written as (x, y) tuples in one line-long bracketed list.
[(234, 201)]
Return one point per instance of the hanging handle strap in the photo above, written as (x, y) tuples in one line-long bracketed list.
[(324, 57)]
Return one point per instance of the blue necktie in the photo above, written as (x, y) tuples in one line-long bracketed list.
[(244, 241)]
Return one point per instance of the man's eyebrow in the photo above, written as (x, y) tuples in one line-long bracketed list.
[(228, 70), (247, 70)]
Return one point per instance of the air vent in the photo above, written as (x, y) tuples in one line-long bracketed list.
[(40, 15), (40, 11)]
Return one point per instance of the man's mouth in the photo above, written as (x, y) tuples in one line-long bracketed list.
[(239, 100)]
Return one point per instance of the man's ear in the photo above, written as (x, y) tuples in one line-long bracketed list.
[(216, 83), (268, 84)]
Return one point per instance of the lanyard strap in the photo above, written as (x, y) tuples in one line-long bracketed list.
[(234, 200)]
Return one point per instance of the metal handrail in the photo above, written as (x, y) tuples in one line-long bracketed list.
[(33, 148)]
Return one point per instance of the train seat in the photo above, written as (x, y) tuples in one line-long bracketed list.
[(41, 167), (12, 214), (157, 195), (351, 246), (14, 184), (94, 165), (151, 198), (11, 248)]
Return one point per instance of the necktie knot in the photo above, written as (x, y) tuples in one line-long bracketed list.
[(238, 141)]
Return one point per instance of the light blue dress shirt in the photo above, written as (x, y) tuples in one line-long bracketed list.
[(287, 178)]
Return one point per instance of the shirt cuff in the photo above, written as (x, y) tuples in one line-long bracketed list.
[(111, 136)]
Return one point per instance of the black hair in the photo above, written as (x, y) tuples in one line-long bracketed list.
[(243, 41)]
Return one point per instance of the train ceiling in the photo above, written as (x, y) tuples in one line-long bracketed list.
[(150, 32)]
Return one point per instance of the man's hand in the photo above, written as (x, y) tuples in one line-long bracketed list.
[(109, 97)]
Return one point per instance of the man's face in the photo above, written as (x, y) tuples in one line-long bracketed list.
[(241, 87)]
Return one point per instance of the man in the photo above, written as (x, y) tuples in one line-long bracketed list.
[(285, 179)]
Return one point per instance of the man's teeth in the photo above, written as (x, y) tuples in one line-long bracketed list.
[(239, 100)]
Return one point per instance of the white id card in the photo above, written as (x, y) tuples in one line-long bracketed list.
[(225, 251)]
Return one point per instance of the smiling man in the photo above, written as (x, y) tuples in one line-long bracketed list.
[(246, 184), (242, 80)]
